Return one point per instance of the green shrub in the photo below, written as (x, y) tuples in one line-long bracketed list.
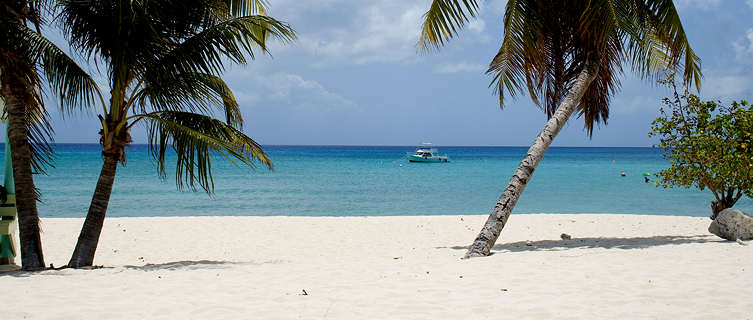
[(708, 145)]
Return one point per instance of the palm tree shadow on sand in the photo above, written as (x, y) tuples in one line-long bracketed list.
[(601, 242), (184, 265), (195, 265), (170, 266)]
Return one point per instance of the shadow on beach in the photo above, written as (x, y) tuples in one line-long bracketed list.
[(175, 265), (185, 265), (606, 243), (196, 265)]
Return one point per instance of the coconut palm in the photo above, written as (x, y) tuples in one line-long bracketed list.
[(569, 56), (23, 53), (163, 59)]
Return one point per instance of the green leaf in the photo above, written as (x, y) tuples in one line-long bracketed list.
[(194, 138)]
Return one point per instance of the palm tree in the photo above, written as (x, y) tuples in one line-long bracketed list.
[(569, 54), (22, 52), (163, 59)]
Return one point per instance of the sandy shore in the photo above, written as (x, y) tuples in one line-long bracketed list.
[(616, 266)]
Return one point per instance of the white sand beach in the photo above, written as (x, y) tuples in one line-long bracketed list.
[(616, 266)]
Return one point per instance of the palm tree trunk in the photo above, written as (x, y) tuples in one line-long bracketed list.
[(32, 257), (501, 212), (83, 255)]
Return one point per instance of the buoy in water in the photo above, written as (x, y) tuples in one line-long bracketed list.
[(623, 174), (646, 174)]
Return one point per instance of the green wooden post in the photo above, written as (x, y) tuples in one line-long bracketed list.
[(8, 209), (9, 184)]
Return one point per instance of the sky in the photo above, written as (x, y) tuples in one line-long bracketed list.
[(355, 77)]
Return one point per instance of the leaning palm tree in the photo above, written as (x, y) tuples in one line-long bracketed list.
[(163, 59), (569, 55), (23, 53)]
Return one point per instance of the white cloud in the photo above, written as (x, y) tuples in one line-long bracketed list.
[(387, 37), (750, 3), (744, 47), (733, 80), (727, 85), (284, 89), (460, 67), (347, 31), (479, 25), (360, 32)]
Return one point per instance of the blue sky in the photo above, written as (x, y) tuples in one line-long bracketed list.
[(354, 77)]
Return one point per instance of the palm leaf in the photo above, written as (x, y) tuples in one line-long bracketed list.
[(522, 59), (73, 86), (193, 92), (665, 45), (443, 21), (19, 64), (547, 43), (194, 138), (232, 39), (240, 8)]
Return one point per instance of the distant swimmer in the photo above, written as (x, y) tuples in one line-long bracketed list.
[(623, 174), (646, 179)]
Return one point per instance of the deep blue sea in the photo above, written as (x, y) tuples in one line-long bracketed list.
[(375, 181)]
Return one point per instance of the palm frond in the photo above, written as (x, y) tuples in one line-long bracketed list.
[(194, 138), (40, 132), (192, 92), (40, 139), (665, 44), (240, 8), (528, 50), (18, 66), (73, 86), (594, 106), (232, 39), (245, 8), (547, 43), (443, 21)]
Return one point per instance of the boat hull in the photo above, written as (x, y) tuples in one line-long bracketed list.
[(429, 159)]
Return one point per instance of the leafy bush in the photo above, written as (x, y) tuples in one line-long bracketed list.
[(708, 145)]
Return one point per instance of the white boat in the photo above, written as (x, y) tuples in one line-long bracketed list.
[(427, 153)]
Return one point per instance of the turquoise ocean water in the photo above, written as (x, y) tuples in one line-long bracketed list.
[(376, 181)]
